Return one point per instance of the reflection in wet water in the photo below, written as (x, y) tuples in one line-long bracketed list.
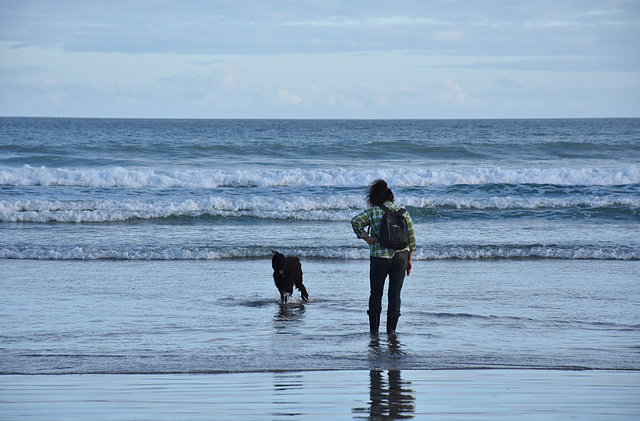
[(288, 317), (389, 397), (287, 389), (392, 346)]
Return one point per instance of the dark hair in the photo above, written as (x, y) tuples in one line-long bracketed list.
[(378, 193)]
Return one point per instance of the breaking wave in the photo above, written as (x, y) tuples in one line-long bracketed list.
[(332, 208), (207, 179), (436, 252)]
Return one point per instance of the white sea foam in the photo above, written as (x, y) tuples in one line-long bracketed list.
[(134, 178), (97, 210), (332, 208), (525, 203), (470, 252)]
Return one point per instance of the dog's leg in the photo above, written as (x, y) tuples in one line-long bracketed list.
[(303, 291)]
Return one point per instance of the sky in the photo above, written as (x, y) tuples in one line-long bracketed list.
[(320, 59)]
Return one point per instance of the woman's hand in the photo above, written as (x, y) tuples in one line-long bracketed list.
[(370, 240), (409, 263)]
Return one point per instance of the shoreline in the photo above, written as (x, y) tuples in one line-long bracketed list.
[(390, 367)]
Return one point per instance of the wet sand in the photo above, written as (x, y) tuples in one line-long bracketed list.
[(309, 395)]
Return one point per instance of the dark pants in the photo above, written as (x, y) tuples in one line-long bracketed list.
[(396, 268)]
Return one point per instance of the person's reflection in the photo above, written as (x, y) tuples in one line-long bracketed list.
[(390, 398), (394, 347), (285, 388)]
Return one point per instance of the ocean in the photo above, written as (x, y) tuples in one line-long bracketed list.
[(143, 247)]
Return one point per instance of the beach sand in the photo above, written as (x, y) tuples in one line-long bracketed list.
[(311, 395)]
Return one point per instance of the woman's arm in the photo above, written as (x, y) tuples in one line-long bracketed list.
[(412, 243), (359, 223)]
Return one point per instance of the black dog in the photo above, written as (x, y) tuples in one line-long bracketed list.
[(287, 272)]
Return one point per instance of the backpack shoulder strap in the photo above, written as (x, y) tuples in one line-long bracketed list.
[(386, 209)]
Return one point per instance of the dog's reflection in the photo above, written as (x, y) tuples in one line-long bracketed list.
[(390, 397), (288, 317)]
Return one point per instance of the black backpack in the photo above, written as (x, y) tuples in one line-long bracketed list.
[(394, 230)]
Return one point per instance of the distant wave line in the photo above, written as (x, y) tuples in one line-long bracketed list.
[(119, 177), (459, 252)]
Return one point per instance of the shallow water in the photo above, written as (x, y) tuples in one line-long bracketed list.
[(225, 316)]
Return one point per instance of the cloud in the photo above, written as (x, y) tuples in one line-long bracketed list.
[(224, 77), (357, 58), (450, 92), (286, 97), (508, 84), (366, 21), (20, 71), (280, 27), (560, 63), (229, 75), (200, 62), (448, 36)]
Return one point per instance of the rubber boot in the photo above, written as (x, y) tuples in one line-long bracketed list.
[(374, 322), (392, 322)]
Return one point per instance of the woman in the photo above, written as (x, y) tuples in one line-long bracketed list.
[(383, 261)]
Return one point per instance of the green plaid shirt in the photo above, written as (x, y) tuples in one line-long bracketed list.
[(372, 218)]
